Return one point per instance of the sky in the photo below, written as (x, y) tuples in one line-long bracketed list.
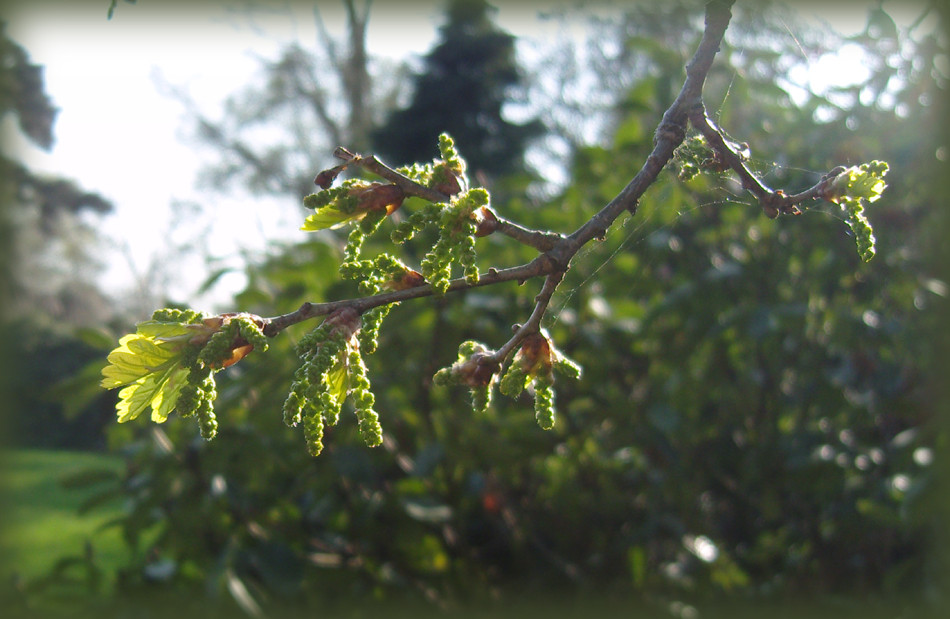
[(120, 134)]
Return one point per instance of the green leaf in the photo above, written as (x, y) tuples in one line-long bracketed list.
[(134, 399), (859, 182), (127, 367), (152, 348), (165, 330), (149, 364), (149, 391), (328, 217), (146, 348), (165, 400), (338, 383)]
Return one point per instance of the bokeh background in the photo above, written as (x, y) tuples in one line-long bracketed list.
[(758, 425)]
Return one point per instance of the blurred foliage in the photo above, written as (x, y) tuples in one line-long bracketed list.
[(755, 422), (47, 299), (52, 411)]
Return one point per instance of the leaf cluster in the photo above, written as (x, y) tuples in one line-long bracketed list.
[(532, 367), (332, 367), (852, 190), (168, 364)]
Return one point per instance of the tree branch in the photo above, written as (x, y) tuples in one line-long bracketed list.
[(670, 134), (542, 241), (377, 167), (558, 250), (273, 326), (493, 222), (773, 202)]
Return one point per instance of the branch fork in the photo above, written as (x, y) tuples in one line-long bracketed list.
[(557, 250)]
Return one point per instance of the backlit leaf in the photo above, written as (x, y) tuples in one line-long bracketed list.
[(328, 217), (338, 378), (150, 349), (164, 401), (167, 331), (148, 363), (150, 391)]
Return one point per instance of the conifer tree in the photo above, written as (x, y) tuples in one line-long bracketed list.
[(468, 77)]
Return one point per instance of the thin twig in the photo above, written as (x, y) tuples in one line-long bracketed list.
[(670, 134), (533, 324), (714, 137), (542, 241), (273, 326), (490, 222), (377, 167), (773, 201)]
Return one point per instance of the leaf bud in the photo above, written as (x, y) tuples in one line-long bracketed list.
[(379, 197), (446, 180), (476, 366), (343, 323), (410, 278), (325, 178), (486, 221)]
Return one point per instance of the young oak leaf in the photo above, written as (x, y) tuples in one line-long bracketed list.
[(859, 182), (350, 202), (338, 376), (853, 189), (155, 363), (149, 364), (152, 348), (158, 390), (326, 217)]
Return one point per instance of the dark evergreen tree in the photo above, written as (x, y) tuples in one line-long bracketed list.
[(39, 216), (467, 79), (45, 289), (23, 94)]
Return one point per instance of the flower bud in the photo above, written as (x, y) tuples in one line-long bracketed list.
[(535, 355), (476, 371)]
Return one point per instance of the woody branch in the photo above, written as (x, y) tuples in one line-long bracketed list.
[(557, 250)]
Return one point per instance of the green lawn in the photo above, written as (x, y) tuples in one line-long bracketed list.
[(40, 522)]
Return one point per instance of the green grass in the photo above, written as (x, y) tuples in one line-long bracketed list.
[(41, 522)]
